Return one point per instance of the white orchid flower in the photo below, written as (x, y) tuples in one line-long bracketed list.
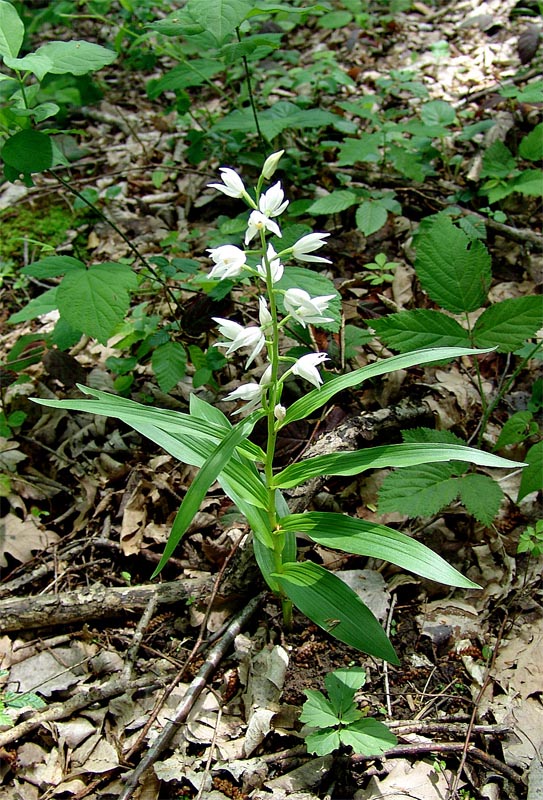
[(306, 309), (240, 337), (251, 393), (306, 368), (271, 202), (307, 244), (229, 261), (231, 185), (259, 221), (276, 267), (270, 164)]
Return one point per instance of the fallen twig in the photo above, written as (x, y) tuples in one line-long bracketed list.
[(191, 695)]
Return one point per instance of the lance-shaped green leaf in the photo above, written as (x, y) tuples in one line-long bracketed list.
[(174, 422), (390, 455), (334, 607), (12, 30), (198, 489), (319, 397), (375, 541)]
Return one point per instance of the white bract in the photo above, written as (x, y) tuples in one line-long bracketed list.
[(229, 261), (307, 244), (306, 309), (306, 367), (240, 337), (232, 184)]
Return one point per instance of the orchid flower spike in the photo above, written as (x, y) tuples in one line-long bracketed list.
[(306, 367), (231, 185), (306, 309), (240, 337)]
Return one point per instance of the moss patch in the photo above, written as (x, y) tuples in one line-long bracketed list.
[(42, 222)]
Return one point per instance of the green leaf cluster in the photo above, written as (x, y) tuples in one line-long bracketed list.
[(338, 721)]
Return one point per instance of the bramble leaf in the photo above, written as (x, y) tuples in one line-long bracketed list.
[(481, 496), (410, 330), (509, 323)]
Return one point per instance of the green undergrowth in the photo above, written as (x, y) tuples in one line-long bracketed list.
[(42, 225)]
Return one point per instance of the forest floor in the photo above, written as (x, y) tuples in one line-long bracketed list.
[(112, 656)]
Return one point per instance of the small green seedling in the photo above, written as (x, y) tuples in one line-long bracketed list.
[(337, 720), (380, 271), (14, 700), (531, 540)]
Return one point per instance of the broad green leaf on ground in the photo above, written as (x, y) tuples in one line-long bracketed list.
[(509, 323), (421, 328), (341, 685), (370, 216), (453, 269), (12, 30), (195, 72), (273, 121), (481, 496), (169, 362), (319, 397), (314, 284), (498, 161), (532, 475), (366, 148), (27, 152), (323, 741), (419, 491), (334, 202), (529, 182), (95, 300), (207, 475), (318, 711), (368, 736), (516, 429), (437, 112), (52, 266), (220, 17), (335, 608), (531, 146), (76, 57), (373, 540), (36, 307), (392, 455)]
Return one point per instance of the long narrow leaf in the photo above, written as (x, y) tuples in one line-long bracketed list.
[(207, 475), (133, 413), (390, 455), (319, 397), (375, 541), (333, 606)]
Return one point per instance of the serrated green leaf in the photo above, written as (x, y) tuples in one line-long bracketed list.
[(509, 323), (365, 148), (52, 266), (529, 182), (96, 300), (532, 475), (12, 30), (221, 17), (453, 269), (317, 398), (334, 202), (498, 161), (418, 491), (273, 121), (195, 72), (516, 429), (318, 711), (531, 146), (42, 304), (409, 330), (368, 736), (373, 540), (353, 678), (333, 606), (370, 216), (481, 496), (169, 362), (322, 742), (391, 455), (431, 436), (198, 489)]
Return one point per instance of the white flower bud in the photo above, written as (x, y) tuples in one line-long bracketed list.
[(270, 164), (279, 412)]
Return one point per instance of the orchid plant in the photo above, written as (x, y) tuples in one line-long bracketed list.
[(224, 452)]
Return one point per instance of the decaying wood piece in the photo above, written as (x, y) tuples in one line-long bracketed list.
[(94, 602), (365, 430)]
